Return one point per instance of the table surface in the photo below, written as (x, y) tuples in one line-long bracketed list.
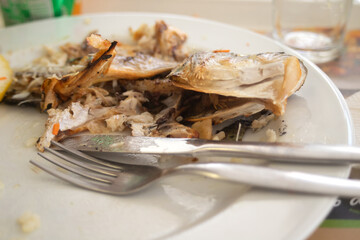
[(345, 71)]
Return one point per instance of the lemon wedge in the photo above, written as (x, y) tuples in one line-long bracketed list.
[(5, 76)]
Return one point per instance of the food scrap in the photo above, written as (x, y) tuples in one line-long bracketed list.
[(29, 222), (56, 128), (5, 76)]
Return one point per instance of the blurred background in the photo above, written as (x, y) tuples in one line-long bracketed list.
[(251, 14)]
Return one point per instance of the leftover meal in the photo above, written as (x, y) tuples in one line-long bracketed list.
[(155, 87)]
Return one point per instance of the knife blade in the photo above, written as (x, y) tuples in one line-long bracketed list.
[(281, 152)]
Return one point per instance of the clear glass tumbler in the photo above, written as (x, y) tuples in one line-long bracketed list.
[(315, 28)]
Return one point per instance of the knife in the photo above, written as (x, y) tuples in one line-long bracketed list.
[(280, 152)]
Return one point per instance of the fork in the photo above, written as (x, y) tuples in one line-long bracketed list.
[(122, 179)]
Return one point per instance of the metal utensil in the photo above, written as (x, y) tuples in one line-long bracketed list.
[(283, 152), (122, 179)]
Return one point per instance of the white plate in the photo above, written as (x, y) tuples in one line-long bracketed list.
[(183, 207)]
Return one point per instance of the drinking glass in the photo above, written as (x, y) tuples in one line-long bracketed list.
[(315, 28)]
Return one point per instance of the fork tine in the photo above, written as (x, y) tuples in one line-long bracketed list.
[(75, 180), (81, 164), (85, 156), (80, 172)]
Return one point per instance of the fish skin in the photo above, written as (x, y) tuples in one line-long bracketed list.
[(267, 77)]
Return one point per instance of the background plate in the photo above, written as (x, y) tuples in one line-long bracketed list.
[(181, 207)]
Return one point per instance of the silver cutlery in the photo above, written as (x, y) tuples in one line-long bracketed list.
[(122, 179)]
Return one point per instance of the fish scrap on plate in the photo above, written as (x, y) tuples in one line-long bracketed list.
[(153, 87)]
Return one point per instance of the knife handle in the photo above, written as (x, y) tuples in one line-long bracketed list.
[(274, 179), (283, 152)]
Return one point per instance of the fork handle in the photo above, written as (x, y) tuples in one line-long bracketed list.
[(275, 179)]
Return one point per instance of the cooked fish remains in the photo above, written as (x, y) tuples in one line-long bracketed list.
[(269, 78), (154, 87)]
